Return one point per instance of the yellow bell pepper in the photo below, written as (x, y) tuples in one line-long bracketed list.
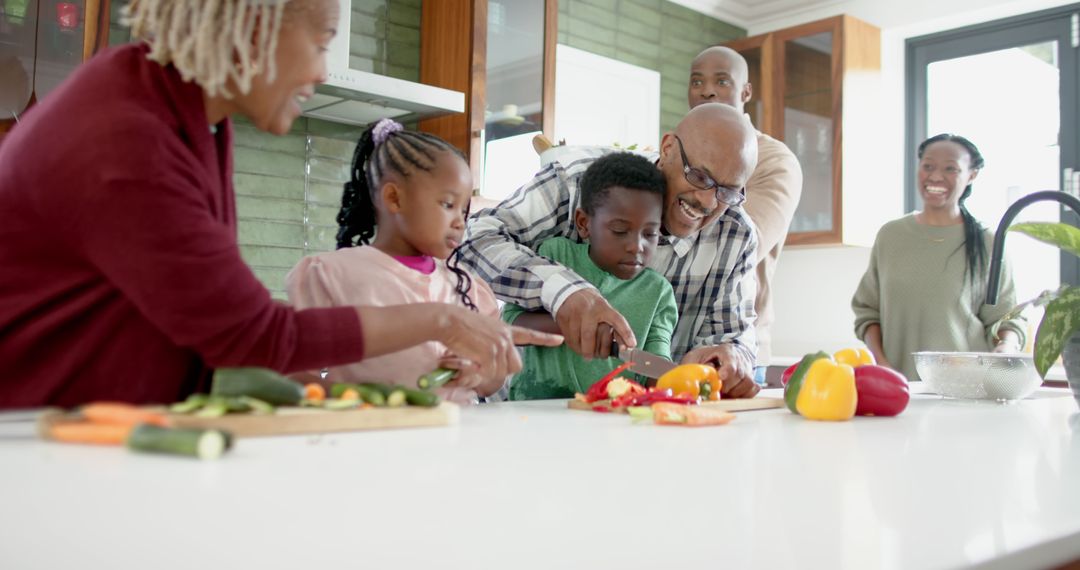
[(693, 380), (828, 392), (854, 357)]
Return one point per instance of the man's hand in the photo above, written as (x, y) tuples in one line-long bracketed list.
[(735, 370), (580, 319)]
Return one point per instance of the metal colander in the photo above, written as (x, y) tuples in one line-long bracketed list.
[(978, 375)]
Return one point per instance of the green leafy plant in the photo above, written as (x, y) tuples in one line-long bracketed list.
[(1061, 319)]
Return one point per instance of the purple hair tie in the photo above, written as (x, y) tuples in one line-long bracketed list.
[(383, 128)]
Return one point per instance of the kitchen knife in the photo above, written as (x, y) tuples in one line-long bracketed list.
[(645, 363)]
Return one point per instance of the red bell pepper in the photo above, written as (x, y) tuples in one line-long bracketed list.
[(598, 391), (882, 391), (786, 374)]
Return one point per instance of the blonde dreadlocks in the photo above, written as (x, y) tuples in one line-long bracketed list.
[(210, 41)]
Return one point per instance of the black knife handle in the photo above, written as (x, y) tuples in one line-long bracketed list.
[(615, 347)]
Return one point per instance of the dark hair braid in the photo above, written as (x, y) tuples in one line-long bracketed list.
[(403, 152), (974, 244)]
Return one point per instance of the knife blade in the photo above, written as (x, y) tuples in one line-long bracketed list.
[(645, 363)]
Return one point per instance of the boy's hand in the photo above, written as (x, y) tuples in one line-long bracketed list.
[(735, 371), (580, 318)]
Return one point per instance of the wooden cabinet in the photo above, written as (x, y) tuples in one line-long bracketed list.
[(41, 43), (501, 54), (815, 86)]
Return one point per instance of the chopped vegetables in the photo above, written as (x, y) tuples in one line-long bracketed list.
[(109, 423), (120, 414), (87, 432), (314, 392), (665, 413)]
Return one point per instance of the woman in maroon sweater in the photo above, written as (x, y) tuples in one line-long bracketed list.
[(121, 277)]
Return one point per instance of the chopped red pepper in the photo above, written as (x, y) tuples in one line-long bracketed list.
[(598, 391)]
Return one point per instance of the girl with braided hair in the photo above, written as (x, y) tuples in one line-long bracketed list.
[(402, 218), (122, 276), (925, 288)]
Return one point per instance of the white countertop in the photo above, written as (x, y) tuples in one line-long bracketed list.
[(948, 484)]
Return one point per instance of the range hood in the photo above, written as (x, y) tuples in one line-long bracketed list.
[(358, 97)]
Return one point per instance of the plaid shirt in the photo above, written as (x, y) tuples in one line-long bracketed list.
[(711, 272)]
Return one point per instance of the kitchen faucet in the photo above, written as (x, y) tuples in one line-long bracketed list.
[(994, 281)]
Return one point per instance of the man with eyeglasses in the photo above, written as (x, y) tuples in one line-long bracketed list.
[(719, 75), (708, 248)]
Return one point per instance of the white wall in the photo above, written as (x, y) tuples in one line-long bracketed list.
[(813, 286)]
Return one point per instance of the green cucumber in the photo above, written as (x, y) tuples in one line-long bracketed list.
[(259, 383), (435, 378), (192, 403), (200, 443), (421, 398)]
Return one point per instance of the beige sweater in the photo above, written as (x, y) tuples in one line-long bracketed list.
[(916, 289), (772, 194)]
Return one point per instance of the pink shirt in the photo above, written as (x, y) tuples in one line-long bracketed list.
[(366, 276)]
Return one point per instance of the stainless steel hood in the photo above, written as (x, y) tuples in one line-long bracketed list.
[(359, 97)]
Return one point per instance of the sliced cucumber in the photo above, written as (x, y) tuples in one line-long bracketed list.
[(260, 383), (214, 408), (397, 398), (256, 405), (192, 403), (373, 396), (335, 404), (200, 443)]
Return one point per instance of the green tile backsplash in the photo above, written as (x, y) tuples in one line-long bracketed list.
[(654, 34)]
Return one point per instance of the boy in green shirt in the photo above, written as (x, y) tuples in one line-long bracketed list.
[(619, 218)]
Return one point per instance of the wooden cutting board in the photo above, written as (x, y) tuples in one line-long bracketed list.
[(293, 421), (732, 405)]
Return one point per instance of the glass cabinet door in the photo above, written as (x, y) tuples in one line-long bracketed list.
[(18, 24), (809, 126), (514, 95)]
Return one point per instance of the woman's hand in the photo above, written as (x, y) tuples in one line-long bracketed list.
[(1008, 341), (485, 342)]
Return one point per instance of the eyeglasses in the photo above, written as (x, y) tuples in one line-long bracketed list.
[(698, 179)]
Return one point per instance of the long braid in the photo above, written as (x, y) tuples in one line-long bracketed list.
[(402, 152), (356, 219), (974, 245), (464, 281)]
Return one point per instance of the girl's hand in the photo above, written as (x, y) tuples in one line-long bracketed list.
[(486, 342), (467, 376), (458, 395)]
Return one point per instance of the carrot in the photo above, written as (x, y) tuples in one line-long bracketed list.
[(87, 432), (121, 414), (666, 413), (314, 392)]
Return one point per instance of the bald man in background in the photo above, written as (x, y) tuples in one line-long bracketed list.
[(719, 75)]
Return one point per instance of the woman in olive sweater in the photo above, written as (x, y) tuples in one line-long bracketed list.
[(925, 288)]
